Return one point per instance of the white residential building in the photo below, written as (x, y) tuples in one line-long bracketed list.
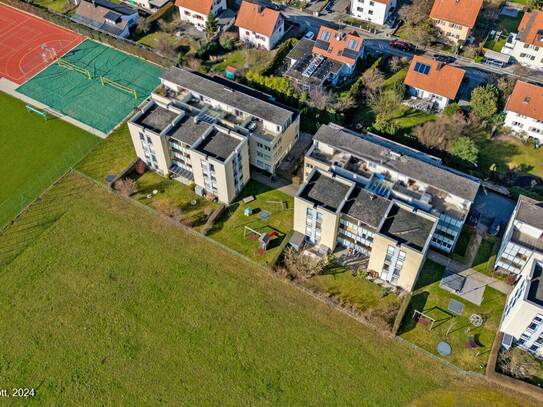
[(522, 321), (524, 111), (373, 11), (259, 26), (523, 238), (196, 12), (527, 45)]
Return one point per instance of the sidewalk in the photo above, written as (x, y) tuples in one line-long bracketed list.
[(466, 271)]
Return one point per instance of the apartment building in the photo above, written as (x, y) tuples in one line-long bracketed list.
[(523, 238), (334, 212), (527, 46), (196, 12), (115, 19), (524, 111), (455, 18), (328, 60), (396, 172), (259, 26), (374, 11), (522, 320), (433, 81), (191, 147)]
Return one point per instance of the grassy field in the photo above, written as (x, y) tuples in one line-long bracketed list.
[(509, 153), (108, 303), (110, 157), (34, 153), (454, 329), (254, 58), (230, 228)]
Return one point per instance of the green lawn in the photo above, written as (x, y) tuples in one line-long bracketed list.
[(182, 196), (230, 228), (108, 303), (255, 59), (60, 6), (486, 257), (35, 152), (110, 157), (462, 244), (152, 39), (511, 153), (454, 329)]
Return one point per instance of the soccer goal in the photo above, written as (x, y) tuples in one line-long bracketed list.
[(105, 81), (68, 65)]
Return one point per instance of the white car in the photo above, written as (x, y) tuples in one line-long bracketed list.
[(309, 35)]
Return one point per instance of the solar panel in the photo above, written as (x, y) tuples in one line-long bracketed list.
[(422, 68), (322, 44), (352, 44), (349, 53)]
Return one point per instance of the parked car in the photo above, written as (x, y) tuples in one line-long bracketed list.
[(446, 59), (473, 218), (495, 227), (309, 35), (402, 45)]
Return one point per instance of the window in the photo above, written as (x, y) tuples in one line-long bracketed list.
[(422, 68), (325, 36)]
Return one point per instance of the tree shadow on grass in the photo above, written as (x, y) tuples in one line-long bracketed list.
[(417, 303)]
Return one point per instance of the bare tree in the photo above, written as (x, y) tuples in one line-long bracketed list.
[(373, 80), (165, 47), (143, 26), (300, 266), (193, 63), (441, 132), (395, 64), (320, 98), (126, 186), (343, 104), (516, 363), (384, 103), (168, 208), (415, 12)]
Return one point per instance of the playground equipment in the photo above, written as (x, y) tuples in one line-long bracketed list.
[(424, 319), (104, 80), (68, 65), (283, 204), (264, 238), (37, 111)]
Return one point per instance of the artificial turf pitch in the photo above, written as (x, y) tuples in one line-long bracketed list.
[(71, 92)]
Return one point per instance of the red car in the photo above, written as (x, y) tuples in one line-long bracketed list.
[(402, 45)]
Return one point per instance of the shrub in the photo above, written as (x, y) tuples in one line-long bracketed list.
[(484, 101), (168, 208), (465, 149), (126, 186), (300, 266)]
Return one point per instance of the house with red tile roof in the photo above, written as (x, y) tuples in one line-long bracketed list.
[(524, 111), (374, 11), (196, 12), (259, 26), (528, 43), (433, 81), (329, 59), (455, 18)]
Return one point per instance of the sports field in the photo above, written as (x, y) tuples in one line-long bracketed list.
[(34, 153), (21, 39), (96, 84), (110, 305)]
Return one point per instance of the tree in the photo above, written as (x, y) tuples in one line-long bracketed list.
[(417, 26), (484, 101), (384, 103), (465, 149), (193, 63), (373, 79), (385, 125), (211, 25), (165, 47), (320, 98), (517, 363), (441, 132), (395, 64), (300, 266), (538, 4), (126, 186), (143, 26)]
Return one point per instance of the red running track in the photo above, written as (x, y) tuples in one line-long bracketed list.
[(21, 38)]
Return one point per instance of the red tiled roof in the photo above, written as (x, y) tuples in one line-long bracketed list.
[(338, 42), (199, 6), (463, 12), (527, 100), (256, 18), (442, 79), (529, 28)]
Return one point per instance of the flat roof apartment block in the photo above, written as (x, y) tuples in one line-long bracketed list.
[(333, 214), (191, 146), (523, 238), (394, 171)]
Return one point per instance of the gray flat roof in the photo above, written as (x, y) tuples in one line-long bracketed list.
[(303, 47), (231, 93), (535, 292), (418, 168), (156, 118), (366, 207), (218, 145), (530, 211), (325, 191), (407, 227), (187, 131)]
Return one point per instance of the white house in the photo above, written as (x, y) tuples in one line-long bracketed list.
[(259, 26), (196, 12), (522, 321), (433, 81), (374, 11), (527, 45), (524, 111), (116, 19)]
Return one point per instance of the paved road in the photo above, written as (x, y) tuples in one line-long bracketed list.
[(466, 271)]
